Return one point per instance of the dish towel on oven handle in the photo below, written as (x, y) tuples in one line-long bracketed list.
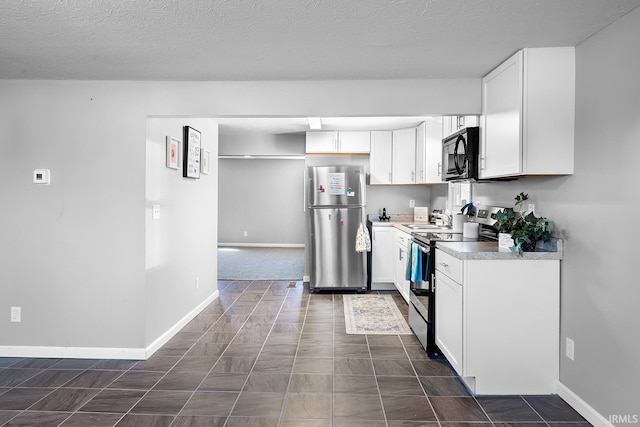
[(363, 241), (414, 263)]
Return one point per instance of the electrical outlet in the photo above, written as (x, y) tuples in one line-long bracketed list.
[(16, 314), (246, 234), (197, 283), (570, 348), (412, 203)]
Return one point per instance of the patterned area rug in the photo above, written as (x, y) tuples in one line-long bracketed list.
[(373, 315)]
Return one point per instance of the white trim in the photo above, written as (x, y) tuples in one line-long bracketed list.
[(582, 407), (263, 245), (105, 352), (262, 157), (164, 338), (306, 278), (73, 352)]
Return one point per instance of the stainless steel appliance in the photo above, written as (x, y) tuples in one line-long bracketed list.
[(460, 155), (422, 310), (335, 211)]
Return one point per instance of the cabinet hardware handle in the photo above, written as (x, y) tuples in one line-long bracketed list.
[(413, 176), (439, 169), (444, 264)]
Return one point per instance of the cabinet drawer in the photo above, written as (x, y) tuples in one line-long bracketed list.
[(449, 265)]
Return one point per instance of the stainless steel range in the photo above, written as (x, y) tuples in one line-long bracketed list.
[(422, 297)]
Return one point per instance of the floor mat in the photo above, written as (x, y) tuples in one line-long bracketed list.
[(373, 315)]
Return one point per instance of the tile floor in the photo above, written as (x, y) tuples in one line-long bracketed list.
[(265, 354)]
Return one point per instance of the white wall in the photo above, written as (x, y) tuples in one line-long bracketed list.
[(593, 210), (182, 244)]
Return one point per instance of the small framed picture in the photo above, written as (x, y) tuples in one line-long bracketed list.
[(205, 161), (191, 153), (173, 145)]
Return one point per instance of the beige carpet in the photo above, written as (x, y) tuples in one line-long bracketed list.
[(373, 315)]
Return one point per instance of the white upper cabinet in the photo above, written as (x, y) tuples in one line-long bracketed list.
[(429, 151), (322, 142), (403, 170), (338, 142), (421, 153), (380, 160), (528, 109), (354, 142), (452, 124)]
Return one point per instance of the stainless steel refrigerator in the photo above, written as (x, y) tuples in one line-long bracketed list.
[(335, 210)]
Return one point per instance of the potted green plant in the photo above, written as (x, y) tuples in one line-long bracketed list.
[(525, 230)]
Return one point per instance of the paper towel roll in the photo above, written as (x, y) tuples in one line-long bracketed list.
[(470, 230), (457, 222)]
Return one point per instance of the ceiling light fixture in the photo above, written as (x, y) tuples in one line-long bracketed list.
[(315, 123)]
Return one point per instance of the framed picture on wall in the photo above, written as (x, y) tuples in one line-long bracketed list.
[(173, 147), (205, 161), (191, 153)]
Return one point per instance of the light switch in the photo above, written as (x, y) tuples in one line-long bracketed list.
[(41, 176), (155, 212)]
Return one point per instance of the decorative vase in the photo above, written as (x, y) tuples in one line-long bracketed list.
[(505, 242)]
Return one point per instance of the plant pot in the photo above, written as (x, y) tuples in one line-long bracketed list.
[(505, 242), (528, 247)]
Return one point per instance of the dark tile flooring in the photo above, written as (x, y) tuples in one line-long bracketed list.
[(265, 354)]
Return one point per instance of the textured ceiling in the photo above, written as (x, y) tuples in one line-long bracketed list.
[(284, 39)]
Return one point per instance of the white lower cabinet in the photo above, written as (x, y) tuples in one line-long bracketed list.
[(498, 322), (382, 251), (400, 263), (449, 319)]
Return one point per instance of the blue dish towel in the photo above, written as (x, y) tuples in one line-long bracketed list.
[(414, 263)]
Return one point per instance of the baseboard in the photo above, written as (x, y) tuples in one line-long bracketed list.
[(73, 352), (262, 245), (164, 338), (582, 407), (306, 279), (105, 352)]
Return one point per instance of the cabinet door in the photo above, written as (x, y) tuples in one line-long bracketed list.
[(449, 320), (354, 142), (380, 158), (433, 145), (501, 142), (404, 151), (382, 255), (421, 153), (322, 142), (400, 269)]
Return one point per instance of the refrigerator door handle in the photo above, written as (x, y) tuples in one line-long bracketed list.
[(304, 190)]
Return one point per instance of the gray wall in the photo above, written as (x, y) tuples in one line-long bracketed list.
[(261, 196), (181, 244), (600, 291), (72, 253), (264, 198)]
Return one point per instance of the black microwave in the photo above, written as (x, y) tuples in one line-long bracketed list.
[(460, 155)]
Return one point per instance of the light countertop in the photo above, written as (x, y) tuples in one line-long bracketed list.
[(490, 250)]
